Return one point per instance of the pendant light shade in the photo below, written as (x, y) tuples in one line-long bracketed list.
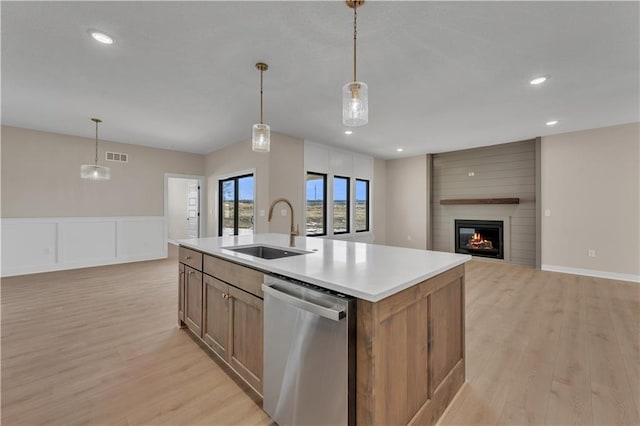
[(94, 171), (261, 137), (261, 133), (355, 104), (355, 95)]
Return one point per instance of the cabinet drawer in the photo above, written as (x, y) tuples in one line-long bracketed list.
[(191, 258), (242, 277)]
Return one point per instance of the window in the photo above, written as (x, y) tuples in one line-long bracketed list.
[(316, 204), (362, 205), (340, 205), (235, 212)]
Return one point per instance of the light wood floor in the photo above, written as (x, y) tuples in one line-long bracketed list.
[(100, 346)]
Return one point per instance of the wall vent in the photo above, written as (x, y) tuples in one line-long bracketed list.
[(120, 157)]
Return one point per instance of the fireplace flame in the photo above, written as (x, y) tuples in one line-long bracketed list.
[(478, 242)]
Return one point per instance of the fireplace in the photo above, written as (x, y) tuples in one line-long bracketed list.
[(480, 238)]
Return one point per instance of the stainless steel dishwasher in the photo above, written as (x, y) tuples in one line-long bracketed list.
[(309, 354)]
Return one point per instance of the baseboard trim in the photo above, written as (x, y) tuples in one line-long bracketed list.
[(592, 273)]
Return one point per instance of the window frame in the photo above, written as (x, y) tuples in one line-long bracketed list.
[(348, 205), (324, 203), (236, 210), (367, 205)]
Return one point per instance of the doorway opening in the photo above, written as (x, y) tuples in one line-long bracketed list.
[(182, 207)]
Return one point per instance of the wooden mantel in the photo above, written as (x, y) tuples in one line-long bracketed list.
[(463, 201)]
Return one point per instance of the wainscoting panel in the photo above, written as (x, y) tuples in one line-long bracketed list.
[(140, 238), (26, 245), (31, 245), (87, 242)]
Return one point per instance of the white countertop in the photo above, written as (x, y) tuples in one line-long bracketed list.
[(366, 271)]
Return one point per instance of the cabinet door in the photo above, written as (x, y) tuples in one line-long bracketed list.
[(447, 330), (245, 349), (180, 294), (193, 300), (215, 330)]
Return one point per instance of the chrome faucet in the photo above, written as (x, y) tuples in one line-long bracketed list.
[(294, 230)]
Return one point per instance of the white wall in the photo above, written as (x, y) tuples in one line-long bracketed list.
[(591, 193), (406, 202), (379, 201), (41, 176)]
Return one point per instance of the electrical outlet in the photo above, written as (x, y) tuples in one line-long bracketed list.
[(592, 253), (283, 212), (408, 237), (547, 212), (261, 213)]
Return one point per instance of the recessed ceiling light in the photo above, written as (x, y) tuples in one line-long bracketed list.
[(348, 132), (399, 149), (101, 37), (551, 123), (539, 80)]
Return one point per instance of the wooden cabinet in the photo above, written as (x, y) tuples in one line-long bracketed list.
[(216, 316), (245, 349), (232, 328), (181, 294), (446, 331), (244, 278), (190, 258), (193, 300), (410, 352), (222, 304)]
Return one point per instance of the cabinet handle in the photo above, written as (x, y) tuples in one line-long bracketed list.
[(192, 272), (226, 296), (187, 258)]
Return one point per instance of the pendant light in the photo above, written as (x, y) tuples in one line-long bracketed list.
[(355, 95), (261, 134), (93, 171)]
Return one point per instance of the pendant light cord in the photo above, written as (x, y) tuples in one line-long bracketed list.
[(96, 160), (261, 71), (355, 32)]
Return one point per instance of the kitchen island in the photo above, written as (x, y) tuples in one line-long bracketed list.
[(409, 338)]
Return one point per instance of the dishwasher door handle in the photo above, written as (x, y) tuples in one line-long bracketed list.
[(328, 313)]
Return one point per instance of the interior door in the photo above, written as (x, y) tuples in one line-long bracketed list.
[(193, 210)]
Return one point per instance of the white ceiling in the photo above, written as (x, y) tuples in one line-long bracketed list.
[(442, 76)]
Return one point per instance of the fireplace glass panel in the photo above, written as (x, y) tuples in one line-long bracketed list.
[(480, 238)]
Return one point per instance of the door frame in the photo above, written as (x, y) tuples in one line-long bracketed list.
[(202, 182)]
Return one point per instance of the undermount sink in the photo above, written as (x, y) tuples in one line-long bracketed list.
[(266, 252)]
